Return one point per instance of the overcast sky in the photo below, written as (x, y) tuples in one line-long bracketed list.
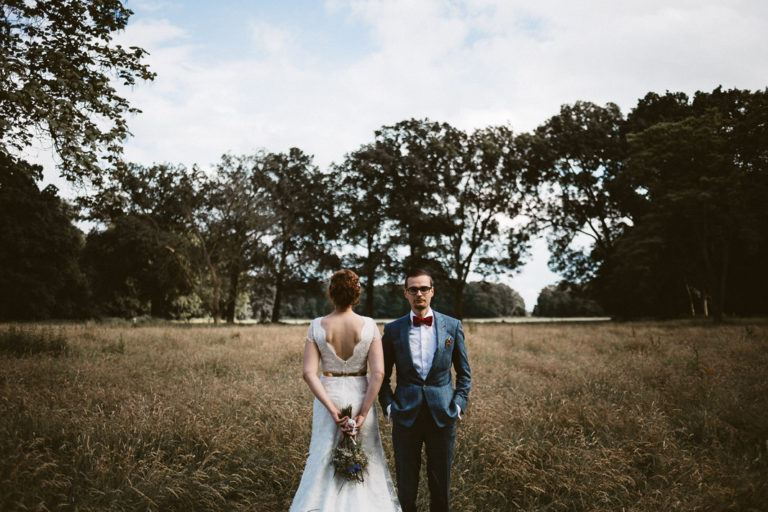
[(238, 76)]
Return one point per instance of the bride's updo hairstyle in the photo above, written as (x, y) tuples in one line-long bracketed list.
[(344, 290)]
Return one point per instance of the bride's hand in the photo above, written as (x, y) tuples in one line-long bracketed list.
[(338, 418), (359, 419)]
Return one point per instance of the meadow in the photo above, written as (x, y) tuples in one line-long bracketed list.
[(632, 416)]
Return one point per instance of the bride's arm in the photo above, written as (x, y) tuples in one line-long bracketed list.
[(376, 371), (311, 363)]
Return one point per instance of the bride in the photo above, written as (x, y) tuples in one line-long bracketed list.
[(346, 343)]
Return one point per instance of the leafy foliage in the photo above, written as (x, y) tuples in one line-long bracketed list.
[(492, 300), (363, 201), (299, 212), (206, 230), (437, 196), (420, 158), (575, 158), (660, 213), (40, 276), (701, 180), (565, 300), (58, 70), (487, 191), (131, 275), (670, 201)]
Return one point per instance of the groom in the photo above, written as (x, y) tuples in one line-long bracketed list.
[(424, 406)]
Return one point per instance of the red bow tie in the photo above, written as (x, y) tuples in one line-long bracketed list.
[(417, 321)]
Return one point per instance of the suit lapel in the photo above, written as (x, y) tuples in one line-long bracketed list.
[(405, 345), (439, 331)]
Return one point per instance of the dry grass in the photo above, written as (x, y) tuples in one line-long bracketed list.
[(652, 416)]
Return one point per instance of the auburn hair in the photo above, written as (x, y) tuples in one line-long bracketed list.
[(344, 290)]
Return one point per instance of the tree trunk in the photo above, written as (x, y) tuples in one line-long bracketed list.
[(369, 290), (370, 279), (278, 297), (279, 281), (216, 300), (460, 300), (710, 279), (234, 285), (215, 281), (157, 307), (719, 299), (690, 300)]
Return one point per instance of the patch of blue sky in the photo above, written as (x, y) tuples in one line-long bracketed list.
[(331, 36), (474, 36), (525, 24), (532, 26)]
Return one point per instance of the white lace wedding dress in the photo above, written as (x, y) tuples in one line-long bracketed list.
[(319, 489)]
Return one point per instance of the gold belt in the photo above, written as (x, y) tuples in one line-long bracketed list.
[(355, 374)]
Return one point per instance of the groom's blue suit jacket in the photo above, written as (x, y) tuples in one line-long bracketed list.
[(436, 391)]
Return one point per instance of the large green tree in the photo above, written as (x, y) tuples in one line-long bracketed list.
[(236, 211), (211, 224), (492, 300), (575, 157), (299, 206), (483, 201), (419, 159), (39, 248), (427, 194), (692, 185), (366, 232), (701, 179), (59, 69), (148, 208), (130, 274)]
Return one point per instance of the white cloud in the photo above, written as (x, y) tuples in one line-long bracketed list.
[(150, 34), (268, 39), (477, 63)]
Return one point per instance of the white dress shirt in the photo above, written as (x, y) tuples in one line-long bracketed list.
[(423, 342)]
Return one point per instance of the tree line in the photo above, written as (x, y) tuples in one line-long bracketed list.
[(660, 212), (266, 227)]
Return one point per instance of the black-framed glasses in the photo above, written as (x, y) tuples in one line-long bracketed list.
[(413, 290)]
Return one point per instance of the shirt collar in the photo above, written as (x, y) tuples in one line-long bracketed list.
[(428, 313)]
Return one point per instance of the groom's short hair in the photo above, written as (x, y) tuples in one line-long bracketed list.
[(416, 272)]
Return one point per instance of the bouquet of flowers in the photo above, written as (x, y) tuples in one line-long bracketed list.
[(349, 460)]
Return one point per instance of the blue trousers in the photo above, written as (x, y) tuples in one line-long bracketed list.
[(438, 442)]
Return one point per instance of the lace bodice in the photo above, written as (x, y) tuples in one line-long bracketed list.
[(358, 361)]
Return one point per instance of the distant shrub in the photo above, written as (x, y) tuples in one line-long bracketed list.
[(565, 300), (26, 342)]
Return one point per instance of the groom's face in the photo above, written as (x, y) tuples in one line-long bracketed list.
[(420, 300)]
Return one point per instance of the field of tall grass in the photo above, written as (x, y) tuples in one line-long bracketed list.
[(636, 416)]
